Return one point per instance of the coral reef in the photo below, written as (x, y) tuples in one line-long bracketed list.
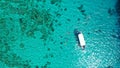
[(19, 20)]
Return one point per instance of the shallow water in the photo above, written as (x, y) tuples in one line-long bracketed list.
[(40, 34)]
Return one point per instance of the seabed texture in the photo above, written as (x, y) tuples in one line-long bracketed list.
[(40, 33)]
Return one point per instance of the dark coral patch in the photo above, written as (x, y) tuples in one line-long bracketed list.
[(36, 66), (61, 43), (78, 19), (82, 10), (68, 20), (65, 9), (111, 11), (61, 47), (22, 45), (51, 55), (48, 49), (55, 1)]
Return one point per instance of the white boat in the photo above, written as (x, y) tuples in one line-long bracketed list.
[(81, 40)]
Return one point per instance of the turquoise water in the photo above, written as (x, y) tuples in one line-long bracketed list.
[(40, 34)]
